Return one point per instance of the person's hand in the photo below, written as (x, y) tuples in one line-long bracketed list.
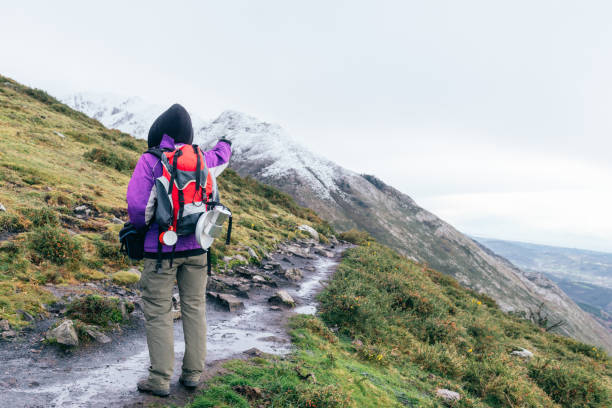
[(225, 139)]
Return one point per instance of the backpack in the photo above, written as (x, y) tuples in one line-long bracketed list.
[(185, 190)]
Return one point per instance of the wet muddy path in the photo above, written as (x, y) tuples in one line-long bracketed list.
[(106, 375)]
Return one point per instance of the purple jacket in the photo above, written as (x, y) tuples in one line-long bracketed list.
[(141, 203)]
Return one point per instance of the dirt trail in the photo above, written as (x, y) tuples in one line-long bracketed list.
[(106, 375)]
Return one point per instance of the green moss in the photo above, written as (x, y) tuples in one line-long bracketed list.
[(16, 295)]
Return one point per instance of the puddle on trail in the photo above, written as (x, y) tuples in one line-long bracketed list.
[(107, 376)]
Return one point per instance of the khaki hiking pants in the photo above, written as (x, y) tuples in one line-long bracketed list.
[(156, 288)]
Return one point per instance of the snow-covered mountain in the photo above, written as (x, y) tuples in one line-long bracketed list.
[(347, 199), (131, 115)]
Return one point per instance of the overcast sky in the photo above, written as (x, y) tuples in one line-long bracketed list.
[(496, 116)]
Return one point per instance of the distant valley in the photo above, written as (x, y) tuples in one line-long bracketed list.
[(586, 276)]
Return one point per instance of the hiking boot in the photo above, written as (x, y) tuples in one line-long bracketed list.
[(152, 388), (190, 383)]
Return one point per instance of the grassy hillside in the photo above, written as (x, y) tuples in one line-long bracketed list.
[(54, 160), (391, 332)]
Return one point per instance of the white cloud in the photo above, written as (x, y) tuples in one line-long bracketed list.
[(567, 218)]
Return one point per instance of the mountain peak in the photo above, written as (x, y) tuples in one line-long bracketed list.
[(269, 151), (245, 129)]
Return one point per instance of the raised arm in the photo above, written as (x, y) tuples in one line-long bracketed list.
[(218, 157)]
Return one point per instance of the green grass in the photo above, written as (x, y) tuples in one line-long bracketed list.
[(403, 330), (44, 176), (111, 159)]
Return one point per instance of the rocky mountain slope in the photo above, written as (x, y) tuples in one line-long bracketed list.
[(350, 200)]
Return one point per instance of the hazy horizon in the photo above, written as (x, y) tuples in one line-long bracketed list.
[(495, 117)]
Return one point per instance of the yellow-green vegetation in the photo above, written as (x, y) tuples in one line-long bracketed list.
[(404, 330), (54, 160), (125, 277)]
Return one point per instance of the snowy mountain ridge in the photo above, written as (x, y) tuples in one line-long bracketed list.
[(251, 139), (264, 142), (128, 114)]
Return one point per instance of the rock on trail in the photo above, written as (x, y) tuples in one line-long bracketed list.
[(64, 334), (283, 298)]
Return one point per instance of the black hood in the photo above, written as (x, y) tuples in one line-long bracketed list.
[(175, 122)]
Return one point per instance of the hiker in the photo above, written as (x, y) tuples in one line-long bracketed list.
[(183, 261)]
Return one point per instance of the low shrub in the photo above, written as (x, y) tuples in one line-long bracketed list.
[(434, 330), (41, 216), (315, 326), (12, 261), (11, 223), (497, 385), (439, 359), (99, 310), (374, 353), (110, 251), (129, 144), (356, 237), (304, 396), (55, 245), (569, 385), (40, 95), (576, 346), (110, 159), (80, 137), (59, 199)]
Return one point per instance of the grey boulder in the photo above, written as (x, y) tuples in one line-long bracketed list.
[(282, 298), (96, 334), (447, 395), (311, 231), (229, 302), (65, 334), (522, 353), (291, 274)]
